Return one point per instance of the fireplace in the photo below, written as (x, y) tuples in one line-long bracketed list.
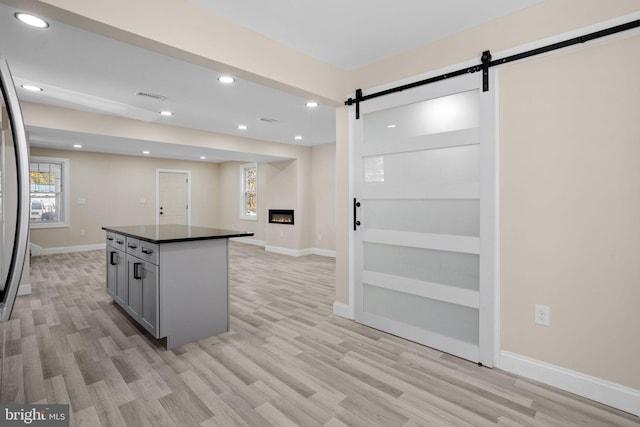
[(281, 216)]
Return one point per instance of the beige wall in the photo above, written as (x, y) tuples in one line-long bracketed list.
[(113, 186), (305, 185), (296, 190), (570, 208), (228, 204), (282, 193), (323, 182), (343, 203)]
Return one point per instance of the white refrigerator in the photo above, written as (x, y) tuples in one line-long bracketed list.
[(14, 202)]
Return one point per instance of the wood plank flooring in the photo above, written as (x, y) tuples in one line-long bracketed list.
[(287, 361)]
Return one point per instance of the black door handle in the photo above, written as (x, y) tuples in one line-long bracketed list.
[(356, 205), (136, 271), (112, 258)]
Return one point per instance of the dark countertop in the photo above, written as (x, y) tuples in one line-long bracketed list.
[(170, 233)]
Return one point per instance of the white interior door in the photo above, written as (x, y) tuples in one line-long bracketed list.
[(424, 184), (173, 197)]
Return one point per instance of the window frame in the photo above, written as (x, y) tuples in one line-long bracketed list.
[(243, 192), (64, 192)]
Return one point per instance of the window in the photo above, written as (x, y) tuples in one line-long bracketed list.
[(249, 191), (48, 178)]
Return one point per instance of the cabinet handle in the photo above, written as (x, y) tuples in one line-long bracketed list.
[(113, 260), (132, 246), (356, 205), (146, 251), (110, 239), (136, 271), (119, 241)]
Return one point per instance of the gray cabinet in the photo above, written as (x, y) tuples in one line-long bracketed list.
[(143, 283), (175, 290), (133, 279), (112, 271), (117, 269)]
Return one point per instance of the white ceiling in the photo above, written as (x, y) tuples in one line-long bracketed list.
[(86, 71), (354, 33)]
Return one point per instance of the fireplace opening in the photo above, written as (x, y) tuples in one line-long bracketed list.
[(281, 216)]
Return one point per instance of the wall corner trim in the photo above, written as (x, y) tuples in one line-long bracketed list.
[(341, 309), (603, 391)]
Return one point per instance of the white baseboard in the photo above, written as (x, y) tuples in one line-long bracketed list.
[(324, 252), (341, 309), (299, 252), (285, 251), (603, 391), (249, 241), (37, 250), (24, 289)]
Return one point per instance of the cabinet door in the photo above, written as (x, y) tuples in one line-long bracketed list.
[(134, 294), (121, 286), (112, 271), (149, 303)]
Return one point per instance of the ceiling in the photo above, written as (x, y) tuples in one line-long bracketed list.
[(90, 72), (355, 33)]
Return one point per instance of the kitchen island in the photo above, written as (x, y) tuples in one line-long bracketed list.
[(172, 279)]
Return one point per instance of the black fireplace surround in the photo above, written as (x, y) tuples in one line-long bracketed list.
[(281, 216)]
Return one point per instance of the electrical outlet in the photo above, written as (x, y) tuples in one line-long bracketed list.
[(542, 315)]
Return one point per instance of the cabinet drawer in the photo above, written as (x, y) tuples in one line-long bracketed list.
[(149, 252), (116, 241), (111, 239), (133, 246)]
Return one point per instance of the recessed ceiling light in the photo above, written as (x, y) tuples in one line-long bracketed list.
[(226, 79), (298, 137), (203, 158), (166, 113), (242, 127), (77, 146), (311, 104), (146, 152), (31, 88), (32, 20), (391, 126)]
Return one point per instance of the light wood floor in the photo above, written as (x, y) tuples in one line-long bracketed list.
[(287, 360)]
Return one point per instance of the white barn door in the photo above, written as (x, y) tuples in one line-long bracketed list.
[(424, 171)]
